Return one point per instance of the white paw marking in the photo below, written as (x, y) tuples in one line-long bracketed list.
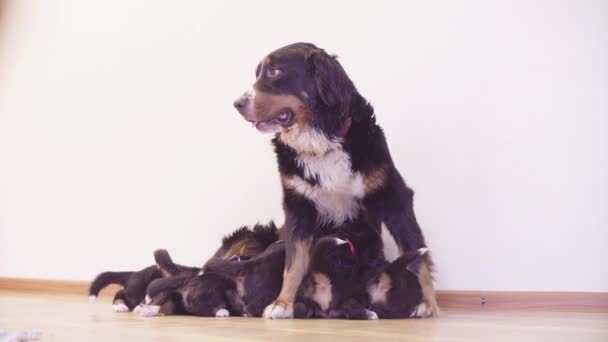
[(201, 273), (148, 300), (120, 307), (277, 311), (148, 310), (423, 251), (421, 311), (371, 315), (222, 313), (92, 299)]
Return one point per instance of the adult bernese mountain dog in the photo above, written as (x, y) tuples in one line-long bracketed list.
[(333, 160)]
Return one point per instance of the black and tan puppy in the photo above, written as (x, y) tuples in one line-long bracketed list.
[(242, 243), (396, 292), (257, 280), (185, 291), (333, 159), (133, 284), (339, 266), (337, 286), (334, 284), (189, 291)]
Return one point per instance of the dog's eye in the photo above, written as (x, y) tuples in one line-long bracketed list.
[(272, 72)]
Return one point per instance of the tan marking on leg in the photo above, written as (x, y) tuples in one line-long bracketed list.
[(377, 291), (292, 277), (425, 277), (167, 308), (240, 286), (293, 274), (375, 179)]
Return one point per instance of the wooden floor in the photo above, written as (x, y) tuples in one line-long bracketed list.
[(72, 318)]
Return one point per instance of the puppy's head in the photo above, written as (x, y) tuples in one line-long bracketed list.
[(333, 256), (244, 242), (411, 268), (299, 90)]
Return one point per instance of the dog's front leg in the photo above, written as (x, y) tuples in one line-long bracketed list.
[(300, 225), (296, 266), (401, 222)]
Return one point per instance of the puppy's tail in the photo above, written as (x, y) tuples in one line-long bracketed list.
[(168, 267), (106, 278), (226, 268), (231, 269), (164, 262)]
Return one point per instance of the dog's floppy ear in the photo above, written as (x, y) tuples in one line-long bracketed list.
[(333, 85)]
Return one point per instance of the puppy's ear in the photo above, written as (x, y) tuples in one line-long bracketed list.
[(333, 85)]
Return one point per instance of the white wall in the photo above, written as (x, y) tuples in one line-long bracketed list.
[(117, 133)]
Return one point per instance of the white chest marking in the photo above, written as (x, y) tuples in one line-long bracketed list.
[(338, 194)]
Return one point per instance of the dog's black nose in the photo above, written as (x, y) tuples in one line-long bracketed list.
[(241, 102)]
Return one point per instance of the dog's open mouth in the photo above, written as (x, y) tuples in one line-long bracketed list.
[(279, 120)]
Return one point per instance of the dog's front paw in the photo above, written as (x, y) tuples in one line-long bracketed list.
[(371, 315), (279, 310), (422, 311)]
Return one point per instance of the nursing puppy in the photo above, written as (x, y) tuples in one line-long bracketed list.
[(189, 291), (333, 160), (333, 286), (340, 264), (257, 280), (396, 292)]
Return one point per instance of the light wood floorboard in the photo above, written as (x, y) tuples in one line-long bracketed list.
[(72, 318)]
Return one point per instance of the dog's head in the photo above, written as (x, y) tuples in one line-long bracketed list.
[(299, 90)]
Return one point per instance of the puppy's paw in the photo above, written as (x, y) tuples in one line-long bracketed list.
[(279, 310), (147, 300), (301, 310), (422, 311), (147, 310), (120, 307), (371, 315), (222, 313)]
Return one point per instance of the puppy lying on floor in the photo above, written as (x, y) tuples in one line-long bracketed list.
[(242, 243), (258, 280), (396, 291), (189, 291), (185, 292), (133, 287)]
